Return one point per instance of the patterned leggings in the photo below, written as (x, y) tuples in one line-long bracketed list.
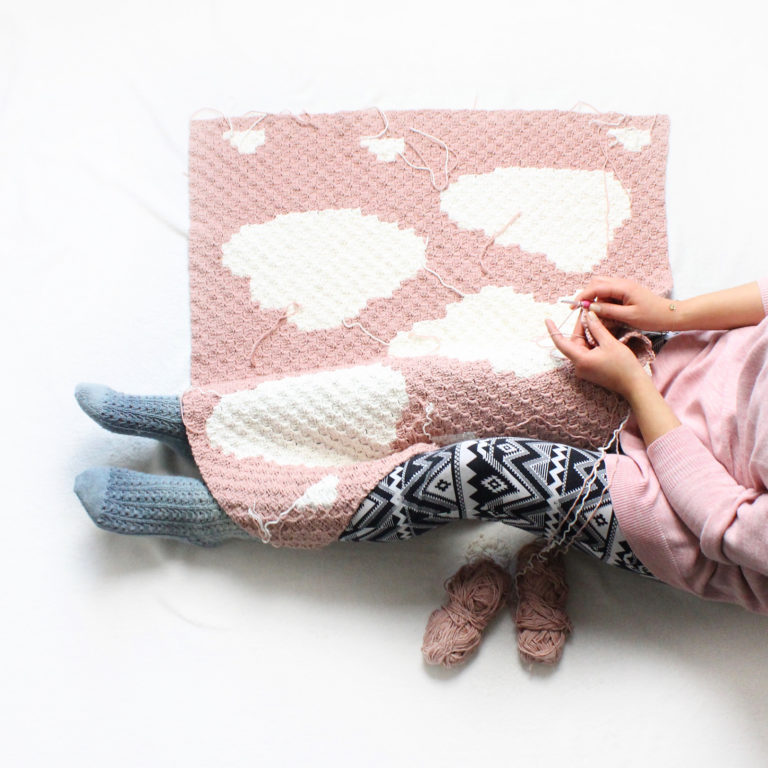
[(533, 485)]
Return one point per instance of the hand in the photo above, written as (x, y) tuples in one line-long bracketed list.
[(610, 364), (629, 303)]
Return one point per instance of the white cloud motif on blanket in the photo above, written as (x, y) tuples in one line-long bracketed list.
[(329, 262), (321, 494), (385, 150), (328, 418), (497, 324), (632, 139), (562, 211), (245, 142)]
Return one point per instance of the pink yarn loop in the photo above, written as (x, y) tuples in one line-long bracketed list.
[(543, 625), (461, 616), (476, 592), (291, 309)]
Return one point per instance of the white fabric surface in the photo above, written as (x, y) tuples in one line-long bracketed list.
[(137, 652)]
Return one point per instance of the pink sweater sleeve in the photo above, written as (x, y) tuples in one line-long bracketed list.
[(764, 293), (731, 521)]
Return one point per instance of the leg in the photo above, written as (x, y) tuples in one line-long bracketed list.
[(534, 485), (156, 417), (123, 501)]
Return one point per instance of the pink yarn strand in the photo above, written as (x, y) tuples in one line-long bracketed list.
[(194, 115), (291, 309), (385, 120), (263, 115), (306, 123), (559, 538), (424, 166), (586, 104), (599, 124), (252, 126), (607, 160), (492, 241)]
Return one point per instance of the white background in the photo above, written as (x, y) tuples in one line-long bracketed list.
[(137, 652)]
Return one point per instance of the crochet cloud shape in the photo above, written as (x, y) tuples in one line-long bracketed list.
[(320, 494), (562, 211), (328, 418), (514, 336), (329, 262)]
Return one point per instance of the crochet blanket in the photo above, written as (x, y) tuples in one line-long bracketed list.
[(368, 286)]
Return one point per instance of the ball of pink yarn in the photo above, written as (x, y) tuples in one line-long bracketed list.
[(476, 592), (542, 623)]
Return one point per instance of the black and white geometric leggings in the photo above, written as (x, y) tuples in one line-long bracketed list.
[(534, 485)]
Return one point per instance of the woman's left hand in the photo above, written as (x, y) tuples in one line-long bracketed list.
[(609, 364)]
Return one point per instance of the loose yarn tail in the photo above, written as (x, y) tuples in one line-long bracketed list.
[(543, 625), (476, 592)]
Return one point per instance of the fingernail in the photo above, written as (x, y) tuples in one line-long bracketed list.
[(592, 315)]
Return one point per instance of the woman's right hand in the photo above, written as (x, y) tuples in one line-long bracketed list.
[(627, 302)]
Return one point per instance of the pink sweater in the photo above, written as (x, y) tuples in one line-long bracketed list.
[(694, 504)]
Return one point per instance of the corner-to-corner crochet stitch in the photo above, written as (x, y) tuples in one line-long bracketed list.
[(365, 287)]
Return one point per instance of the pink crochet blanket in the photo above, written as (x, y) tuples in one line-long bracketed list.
[(368, 286)]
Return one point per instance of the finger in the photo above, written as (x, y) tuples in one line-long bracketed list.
[(604, 289), (599, 331), (595, 287), (608, 311), (568, 347), (557, 337), (585, 333), (579, 334)]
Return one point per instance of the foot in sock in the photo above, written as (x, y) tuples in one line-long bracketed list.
[(145, 416), (134, 503)]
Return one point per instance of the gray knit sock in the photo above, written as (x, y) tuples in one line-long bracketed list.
[(155, 416), (134, 503)]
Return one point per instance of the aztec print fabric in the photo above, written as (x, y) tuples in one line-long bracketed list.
[(370, 286), (533, 485)]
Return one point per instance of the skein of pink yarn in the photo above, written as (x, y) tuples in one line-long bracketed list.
[(543, 625), (476, 592)]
